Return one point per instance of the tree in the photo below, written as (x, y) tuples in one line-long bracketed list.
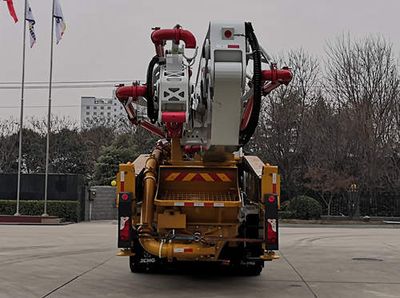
[(69, 152), (33, 151), (363, 80), (8, 146), (126, 147), (326, 153), (327, 183), (279, 136)]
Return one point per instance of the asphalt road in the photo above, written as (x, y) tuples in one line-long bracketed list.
[(316, 261)]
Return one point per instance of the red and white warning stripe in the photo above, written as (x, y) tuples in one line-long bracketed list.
[(199, 204), (274, 177), (183, 249), (122, 180)]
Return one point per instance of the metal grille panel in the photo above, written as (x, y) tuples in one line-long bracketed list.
[(199, 196)]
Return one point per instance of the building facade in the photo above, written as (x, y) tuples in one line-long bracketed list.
[(100, 110)]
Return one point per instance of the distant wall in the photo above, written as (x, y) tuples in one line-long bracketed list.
[(63, 187), (100, 202)]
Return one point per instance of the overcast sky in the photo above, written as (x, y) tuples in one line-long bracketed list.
[(109, 39)]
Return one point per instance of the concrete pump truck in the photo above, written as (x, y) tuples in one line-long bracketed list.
[(197, 197)]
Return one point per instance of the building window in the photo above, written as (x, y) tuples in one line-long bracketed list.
[(87, 107), (108, 114), (101, 113), (108, 108), (102, 108), (87, 113), (95, 108), (94, 113)]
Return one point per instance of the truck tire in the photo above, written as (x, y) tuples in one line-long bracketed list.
[(247, 268), (252, 269)]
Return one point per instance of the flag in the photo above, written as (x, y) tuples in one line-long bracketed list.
[(31, 20), (59, 18), (11, 10)]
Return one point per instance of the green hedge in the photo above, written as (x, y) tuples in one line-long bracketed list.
[(302, 207), (68, 210), (286, 214)]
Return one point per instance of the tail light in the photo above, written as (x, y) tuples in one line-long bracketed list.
[(124, 228), (124, 220), (271, 223)]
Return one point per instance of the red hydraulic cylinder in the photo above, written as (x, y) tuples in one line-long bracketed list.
[(175, 117), (247, 112), (193, 148), (151, 128), (173, 121)]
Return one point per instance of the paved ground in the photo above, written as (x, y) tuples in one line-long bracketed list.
[(317, 261)]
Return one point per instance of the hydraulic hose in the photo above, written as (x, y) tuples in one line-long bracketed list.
[(151, 112), (248, 131)]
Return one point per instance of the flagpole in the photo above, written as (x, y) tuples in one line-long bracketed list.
[(46, 177), (21, 117)]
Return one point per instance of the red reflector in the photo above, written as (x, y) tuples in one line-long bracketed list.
[(124, 229), (233, 46), (271, 231), (125, 233), (228, 33), (271, 199), (188, 250), (125, 196)]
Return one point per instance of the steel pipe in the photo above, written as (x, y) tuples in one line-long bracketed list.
[(158, 37), (172, 250), (149, 187), (283, 76), (124, 92)]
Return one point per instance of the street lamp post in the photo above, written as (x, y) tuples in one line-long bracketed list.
[(355, 201)]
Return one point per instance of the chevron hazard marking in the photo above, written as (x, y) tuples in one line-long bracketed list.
[(206, 177), (223, 177), (192, 176), (189, 177), (172, 176)]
